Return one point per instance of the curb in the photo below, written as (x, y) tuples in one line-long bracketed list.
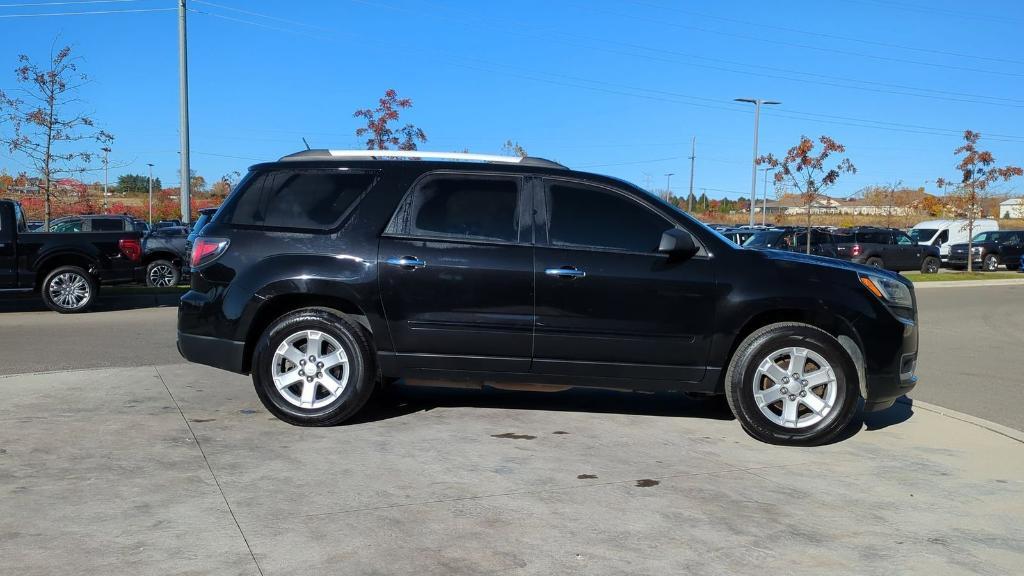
[(967, 418), (968, 283)]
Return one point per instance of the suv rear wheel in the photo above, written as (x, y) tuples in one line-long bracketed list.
[(791, 383), (313, 367)]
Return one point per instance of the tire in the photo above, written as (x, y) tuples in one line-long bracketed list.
[(69, 290), (837, 397), (162, 274), (990, 263), (875, 262), (287, 339), (931, 265)]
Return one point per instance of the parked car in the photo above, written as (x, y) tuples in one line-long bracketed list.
[(65, 268), (794, 239), (944, 233), (165, 256), (167, 224), (97, 223), (518, 272), (204, 216), (990, 250), (886, 248), (737, 235)]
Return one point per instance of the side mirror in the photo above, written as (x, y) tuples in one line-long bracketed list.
[(676, 242)]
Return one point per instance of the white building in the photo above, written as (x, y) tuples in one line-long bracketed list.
[(1012, 208)]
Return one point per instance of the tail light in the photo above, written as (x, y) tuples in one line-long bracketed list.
[(131, 248), (206, 250), (855, 250)]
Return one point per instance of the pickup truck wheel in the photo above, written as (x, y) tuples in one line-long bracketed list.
[(313, 367), (69, 289), (791, 383), (990, 263), (162, 274), (930, 265), (876, 262)]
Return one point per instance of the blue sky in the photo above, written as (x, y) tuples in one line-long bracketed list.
[(617, 87)]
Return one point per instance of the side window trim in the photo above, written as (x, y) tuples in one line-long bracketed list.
[(399, 223)]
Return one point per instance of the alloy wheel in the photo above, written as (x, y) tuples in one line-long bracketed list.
[(69, 291), (310, 369), (161, 276), (795, 387)]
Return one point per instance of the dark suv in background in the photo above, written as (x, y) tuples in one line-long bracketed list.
[(886, 248), (329, 273), (990, 249)]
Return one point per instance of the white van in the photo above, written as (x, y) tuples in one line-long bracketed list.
[(944, 233)]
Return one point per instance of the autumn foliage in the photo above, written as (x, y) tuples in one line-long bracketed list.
[(379, 120)]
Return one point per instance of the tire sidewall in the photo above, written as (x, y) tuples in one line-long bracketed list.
[(876, 262), (357, 389), (744, 367), (45, 291), (929, 260)]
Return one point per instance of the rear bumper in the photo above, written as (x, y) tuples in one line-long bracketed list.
[(216, 352)]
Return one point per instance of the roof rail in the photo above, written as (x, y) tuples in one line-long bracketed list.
[(323, 154)]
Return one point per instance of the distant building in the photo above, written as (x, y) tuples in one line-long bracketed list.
[(67, 187), (1012, 208)]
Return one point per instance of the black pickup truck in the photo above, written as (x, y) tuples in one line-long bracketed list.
[(65, 268)]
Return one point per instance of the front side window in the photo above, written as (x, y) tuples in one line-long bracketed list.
[(67, 226), (585, 216), (470, 208), (904, 240)]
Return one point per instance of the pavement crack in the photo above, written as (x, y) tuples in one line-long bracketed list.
[(216, 480)]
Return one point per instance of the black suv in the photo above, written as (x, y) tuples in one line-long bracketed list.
[(990, 250), (329, 273), (886, 248)]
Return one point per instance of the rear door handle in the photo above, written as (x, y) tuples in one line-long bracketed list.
[(568, 272), (407, 262)]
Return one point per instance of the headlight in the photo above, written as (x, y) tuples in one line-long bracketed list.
[(891, 291)]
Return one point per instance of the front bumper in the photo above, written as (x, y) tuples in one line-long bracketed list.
[(884, 387)]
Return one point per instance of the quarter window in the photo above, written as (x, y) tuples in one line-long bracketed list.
[(585, 216), (462, 208), (315, 199)]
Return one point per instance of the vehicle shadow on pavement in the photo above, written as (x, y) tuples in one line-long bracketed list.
[(399, 400), (898, 413), (108, 301)]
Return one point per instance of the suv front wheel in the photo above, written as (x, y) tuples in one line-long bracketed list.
[(313, 367), (791, 383)]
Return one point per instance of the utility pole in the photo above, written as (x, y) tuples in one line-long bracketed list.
[(764, 201), (186, 171), (150, 194), (693, 157), (106, 164), (757, 102)]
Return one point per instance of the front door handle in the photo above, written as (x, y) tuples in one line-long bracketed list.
[(407, 262), (568, 272)]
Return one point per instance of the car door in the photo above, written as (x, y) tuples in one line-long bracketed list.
[(456, 274), (908, 253), (609, 304)]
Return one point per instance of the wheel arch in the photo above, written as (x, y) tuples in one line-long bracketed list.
[(824, 319), (148, 259), (50, 262)]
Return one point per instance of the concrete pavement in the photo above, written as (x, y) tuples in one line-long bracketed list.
[(179, 470)]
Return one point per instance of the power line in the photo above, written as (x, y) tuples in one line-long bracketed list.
[(91, 12), (260, 15), (68, 3)]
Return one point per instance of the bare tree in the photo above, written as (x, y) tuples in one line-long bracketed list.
[(977, 171), (514, 147), (809, 173), (47, 129)]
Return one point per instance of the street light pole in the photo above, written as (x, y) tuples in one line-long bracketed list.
[(764, 201), (668, 185), (693, 157), (186, 172), (150, 194), (106, 165), (757, 102)]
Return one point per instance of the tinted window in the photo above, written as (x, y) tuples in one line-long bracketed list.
[(67, 226), (312, 199), (469, 208), (817, 238), (245, 207), (922, 234), (875, 237), (583, 216), (764, 239), (107, 224)]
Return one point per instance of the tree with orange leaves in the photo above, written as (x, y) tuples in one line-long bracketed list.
[(977, 171), (810, 172), (382, 136)]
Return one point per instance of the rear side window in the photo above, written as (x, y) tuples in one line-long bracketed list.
[(585, 216), (305, 199), (874, 237), (471, 208), (107, 225)]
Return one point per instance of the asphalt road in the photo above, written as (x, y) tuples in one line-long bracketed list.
[(971, 360)]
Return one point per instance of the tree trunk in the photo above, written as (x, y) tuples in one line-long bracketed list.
[(809, 226)]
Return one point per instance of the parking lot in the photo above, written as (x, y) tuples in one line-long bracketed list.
[(135, 463)]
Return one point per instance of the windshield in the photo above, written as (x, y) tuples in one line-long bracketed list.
[(920, 235), (762, 239)]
